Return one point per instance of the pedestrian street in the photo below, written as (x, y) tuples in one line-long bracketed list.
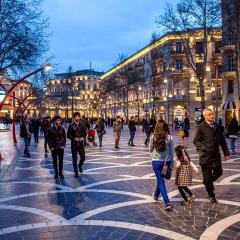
[(112, 198)]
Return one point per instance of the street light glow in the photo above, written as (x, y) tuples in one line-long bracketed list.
[(47, 67), (208, 69), (165, 80)]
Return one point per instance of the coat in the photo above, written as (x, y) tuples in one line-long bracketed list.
[(76, 131), (207, 141), (56, 137)]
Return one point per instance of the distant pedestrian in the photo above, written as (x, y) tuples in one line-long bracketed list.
[(147, 129), (132, 130), (100, 128), (36, 127), (77, 133), (185, 128), (232, 132), (161, 149), (183, 178), (57, 143), (26, 133), (153, 123), (46, 124), (117, 128), (208, 138)]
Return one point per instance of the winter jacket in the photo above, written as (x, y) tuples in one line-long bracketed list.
[(56, 137), (117, 126), (132, 126), (207, 141), (76, 131)]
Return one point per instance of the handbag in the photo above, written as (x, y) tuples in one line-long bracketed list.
[(181, 133), (166, 171)]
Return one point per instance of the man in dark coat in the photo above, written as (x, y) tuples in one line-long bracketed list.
[(57, 142), (132, 130), (208, 138), (147, 129), (77, 133), (45, 127)]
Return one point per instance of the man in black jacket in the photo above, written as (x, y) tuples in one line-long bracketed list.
[(26, 130), (207, 140), (57, 142), (76, 133), (45, 127), (132, 130)]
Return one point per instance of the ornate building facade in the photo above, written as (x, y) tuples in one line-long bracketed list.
[(159, 80), (70, 92), (231, 58)]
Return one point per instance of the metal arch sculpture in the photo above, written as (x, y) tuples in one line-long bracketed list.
[(46, 67)]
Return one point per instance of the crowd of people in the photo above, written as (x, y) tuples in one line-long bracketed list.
[(209, 136)]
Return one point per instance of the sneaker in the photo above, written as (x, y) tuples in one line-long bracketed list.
[(154, 197), (133, 145), (184, 203), (168, 207), (128, 144), (61, 176), (213, 199), (192, 199), (117, 147)]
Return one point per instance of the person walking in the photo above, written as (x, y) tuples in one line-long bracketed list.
[(132, 130), (26, 130), (100, 128), (161, 149), (183, 178), (208, 138), (36, 126), (232, 132), (117, 128), (185, 128), (45, 127), (147, 129), (77, 133), (57, 143)]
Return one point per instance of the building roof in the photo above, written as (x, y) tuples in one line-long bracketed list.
[(159, 41), (85, 72), (25, 81)]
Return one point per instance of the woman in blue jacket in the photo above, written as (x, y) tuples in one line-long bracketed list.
[(161, 147)]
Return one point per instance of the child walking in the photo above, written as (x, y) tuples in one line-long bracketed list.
[(184, 168)]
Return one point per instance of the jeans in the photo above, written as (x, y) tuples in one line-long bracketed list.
[(232, 141), (27, 144), (36, 136), (210, 175), (132, 134), (57, 155), (45, 142), (160, 188), (100, 137), (75, 150)]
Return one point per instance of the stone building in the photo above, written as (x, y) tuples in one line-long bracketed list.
[(231, 58), (70, 92), (159, 80)]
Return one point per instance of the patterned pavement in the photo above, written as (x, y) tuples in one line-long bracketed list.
[(112, 199)]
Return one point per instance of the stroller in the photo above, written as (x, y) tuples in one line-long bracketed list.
[(91, 137)]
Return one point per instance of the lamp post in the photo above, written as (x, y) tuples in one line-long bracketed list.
[(138, 104)]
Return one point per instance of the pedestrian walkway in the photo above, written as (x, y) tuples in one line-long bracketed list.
[(112, 199)]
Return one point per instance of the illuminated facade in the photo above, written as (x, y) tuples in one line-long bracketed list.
[(231, 58), (158, 80), (70, 92)]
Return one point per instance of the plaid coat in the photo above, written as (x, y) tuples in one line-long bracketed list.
[(184, 174)]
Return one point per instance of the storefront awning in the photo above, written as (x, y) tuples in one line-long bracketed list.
[(229, 105)]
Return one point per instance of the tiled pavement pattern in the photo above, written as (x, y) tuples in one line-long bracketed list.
[(112, 198)]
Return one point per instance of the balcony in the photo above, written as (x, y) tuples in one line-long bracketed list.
[(228, 45), (177, 53), (179, 72), (229, 74)]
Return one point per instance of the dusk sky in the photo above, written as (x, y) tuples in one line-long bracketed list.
[(99, 30)]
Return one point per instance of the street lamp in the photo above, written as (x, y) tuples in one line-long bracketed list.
[(139, 89)]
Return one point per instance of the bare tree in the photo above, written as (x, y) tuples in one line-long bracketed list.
[(196, 19), (23, 36)]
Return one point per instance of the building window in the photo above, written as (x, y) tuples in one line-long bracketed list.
[(179, 47), (218, 45), (199, 48), (179, 65), (230, 63), (230, 86), (179, 89)]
